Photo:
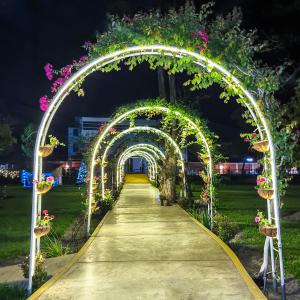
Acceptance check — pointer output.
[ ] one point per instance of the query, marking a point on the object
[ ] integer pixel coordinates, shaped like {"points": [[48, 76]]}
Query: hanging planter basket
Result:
{"points": [[270, 231], [205, 178], [46, 150], [261, 146], [266, 194], [40, 231], [43, 189]]}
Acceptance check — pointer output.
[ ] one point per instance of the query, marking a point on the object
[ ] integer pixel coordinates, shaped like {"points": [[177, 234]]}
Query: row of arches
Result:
{"points": [[151, 50]]}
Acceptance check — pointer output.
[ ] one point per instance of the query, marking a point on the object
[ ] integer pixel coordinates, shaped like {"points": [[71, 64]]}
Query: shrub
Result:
{"points": [[201, 216], [52, 246], [40, 274], [185, 202], [224, 228], [10, 292]]}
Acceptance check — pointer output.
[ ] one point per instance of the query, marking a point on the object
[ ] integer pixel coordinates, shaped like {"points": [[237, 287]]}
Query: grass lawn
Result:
{"points": [[240, 203], [15, 216]]}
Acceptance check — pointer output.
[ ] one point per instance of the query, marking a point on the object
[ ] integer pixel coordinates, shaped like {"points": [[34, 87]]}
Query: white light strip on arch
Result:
{"points": [[162, 109], [134, 150], [143, 146], [150, 160], [123, 54], [136, 129]]}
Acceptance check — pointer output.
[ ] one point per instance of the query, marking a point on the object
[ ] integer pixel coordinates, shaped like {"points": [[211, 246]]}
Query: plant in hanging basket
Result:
{"points": [[43, 224], [44, 186], [261, 146], [257, 144], [264, 187], [205, 198], [204, 176], [265, 227], [47, 149]]}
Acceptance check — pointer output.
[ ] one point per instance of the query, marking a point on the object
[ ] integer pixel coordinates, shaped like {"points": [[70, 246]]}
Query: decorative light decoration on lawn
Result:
{"points": [[153, 50], [9, 174], [82, 172]]}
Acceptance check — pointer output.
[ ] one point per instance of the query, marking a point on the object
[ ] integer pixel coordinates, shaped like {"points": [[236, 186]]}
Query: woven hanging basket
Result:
{"points": [[270, 231], [266, 194], [40, 231], [43, 189], [261, 146], [46, 150]]}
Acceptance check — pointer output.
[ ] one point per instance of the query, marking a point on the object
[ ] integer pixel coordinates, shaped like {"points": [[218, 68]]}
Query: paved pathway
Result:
{"points": [[145, 251]]}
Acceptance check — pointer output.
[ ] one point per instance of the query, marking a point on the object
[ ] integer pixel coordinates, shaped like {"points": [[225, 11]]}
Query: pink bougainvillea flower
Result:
{"points": [[50, 178], [112, 130], [52, 217], [49, 71], [66, 71], [83, 58], [44, 103], [45, 211], [257, 219], [34, 181], [203, 36]]}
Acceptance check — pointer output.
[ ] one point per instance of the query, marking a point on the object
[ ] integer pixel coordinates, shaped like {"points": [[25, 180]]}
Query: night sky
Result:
{"points": [[36, 32]]}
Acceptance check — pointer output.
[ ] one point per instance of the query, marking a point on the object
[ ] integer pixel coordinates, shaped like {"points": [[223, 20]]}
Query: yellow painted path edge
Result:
{"points": [[67, 267], [253, 288]]}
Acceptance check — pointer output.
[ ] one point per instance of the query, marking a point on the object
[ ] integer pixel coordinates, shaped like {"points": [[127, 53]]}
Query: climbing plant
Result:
{"points": [[221, 39]]}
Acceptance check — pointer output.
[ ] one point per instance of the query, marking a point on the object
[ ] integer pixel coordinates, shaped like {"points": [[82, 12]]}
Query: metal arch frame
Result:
{"points": [[118, 55], [165, 110], [136, 129], [120, 165], [150, 160], [149, 147]]}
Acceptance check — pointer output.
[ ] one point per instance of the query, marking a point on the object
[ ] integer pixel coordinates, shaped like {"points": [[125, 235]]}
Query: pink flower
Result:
{"points": [[45, 211], [44, 103], [50, 178], [34, 181], [83, 58], [203, 36], [49, 71], [257, 219], [194, 34], [66, 71], [52, 217]]}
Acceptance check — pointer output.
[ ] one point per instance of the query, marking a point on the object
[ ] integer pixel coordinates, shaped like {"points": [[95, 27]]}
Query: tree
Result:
{"points": [[82, 173], [28, 140], [7, 140]]}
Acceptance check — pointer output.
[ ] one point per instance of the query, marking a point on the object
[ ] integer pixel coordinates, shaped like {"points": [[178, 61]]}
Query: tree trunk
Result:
{"points": [[168, 172]]}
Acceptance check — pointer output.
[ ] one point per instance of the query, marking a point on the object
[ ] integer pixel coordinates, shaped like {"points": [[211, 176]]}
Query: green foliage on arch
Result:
{"points": [[221, 39]]}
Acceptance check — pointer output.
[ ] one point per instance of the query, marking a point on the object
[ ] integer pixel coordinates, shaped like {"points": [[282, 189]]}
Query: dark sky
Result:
{"points": [[36, 32]]}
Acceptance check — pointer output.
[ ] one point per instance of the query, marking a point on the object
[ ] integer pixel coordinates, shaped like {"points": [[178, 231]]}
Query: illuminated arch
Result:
{"points": [[199, 134], [137, 129], [140, 146], [152, 163], [159, 50]]}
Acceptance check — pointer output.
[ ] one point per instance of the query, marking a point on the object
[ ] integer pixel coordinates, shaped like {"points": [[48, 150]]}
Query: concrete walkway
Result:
{"points": [[145, 251]]}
